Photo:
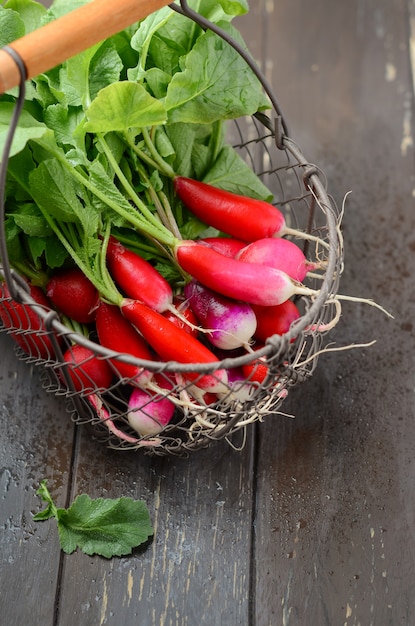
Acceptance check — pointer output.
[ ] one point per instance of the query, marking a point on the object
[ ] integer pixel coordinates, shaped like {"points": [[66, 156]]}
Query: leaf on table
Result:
{"points": [[103, 526]]}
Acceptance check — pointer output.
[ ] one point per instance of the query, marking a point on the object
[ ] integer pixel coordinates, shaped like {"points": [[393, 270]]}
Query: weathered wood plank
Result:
{"points": [[198, 565], [335, 526], [35, 443]]}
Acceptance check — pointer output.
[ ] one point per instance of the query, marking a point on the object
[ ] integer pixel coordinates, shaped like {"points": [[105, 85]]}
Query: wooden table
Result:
{"points": [[312, 523]]}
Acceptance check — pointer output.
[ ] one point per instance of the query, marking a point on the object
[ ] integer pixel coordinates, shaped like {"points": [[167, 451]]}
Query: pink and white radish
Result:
{"points": [[229, 324], [281, 254], [149, 412]]}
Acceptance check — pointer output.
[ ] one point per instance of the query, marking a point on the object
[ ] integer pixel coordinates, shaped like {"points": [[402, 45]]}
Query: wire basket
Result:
{"points": [[299, 189]]}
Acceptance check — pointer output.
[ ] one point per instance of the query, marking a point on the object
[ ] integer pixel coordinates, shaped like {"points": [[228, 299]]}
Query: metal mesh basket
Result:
{"points": [[299, 189]]}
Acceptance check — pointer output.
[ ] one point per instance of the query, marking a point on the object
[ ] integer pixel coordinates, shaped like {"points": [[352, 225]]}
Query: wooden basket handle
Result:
{"points": [[65, 37]]}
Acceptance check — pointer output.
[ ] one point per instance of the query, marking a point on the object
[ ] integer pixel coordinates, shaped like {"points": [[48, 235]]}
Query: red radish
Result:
{"points": [[182, 315], [230, 324], [26, 327], [137, 277], [275, 320], [73, 294], [256, 371], [248, 282], [245, 218], [149, 412], [282, 254], [86, 370], [172, 343], [116, 333], [225, 245]]}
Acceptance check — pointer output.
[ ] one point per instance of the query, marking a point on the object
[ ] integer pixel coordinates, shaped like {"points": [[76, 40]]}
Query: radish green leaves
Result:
{"points": [[104, 526]]}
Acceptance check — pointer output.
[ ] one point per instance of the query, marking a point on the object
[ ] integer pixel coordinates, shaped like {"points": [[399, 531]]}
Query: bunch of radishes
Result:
{"points": [[237, 292]]}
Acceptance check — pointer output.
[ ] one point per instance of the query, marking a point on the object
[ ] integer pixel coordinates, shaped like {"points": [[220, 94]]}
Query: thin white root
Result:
{"points": [[363, 301], [323, 328], [337, 349], [303, 235]]}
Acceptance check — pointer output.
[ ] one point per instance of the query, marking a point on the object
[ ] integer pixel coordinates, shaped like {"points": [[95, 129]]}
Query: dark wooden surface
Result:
{"points": [[312, 523]]}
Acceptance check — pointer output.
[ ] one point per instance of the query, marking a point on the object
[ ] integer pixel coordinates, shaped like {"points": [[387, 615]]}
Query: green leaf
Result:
{"points": [[104, 526], [141, 39], [11, 26], [31, 221], [64, 121], [122, 106], [230, 172], [83, 75], [105, 68], [28, 128], [62, 7], [217, 10], [74, 78], [51, 510], [216, 83], [53, 191], [104, 182], [31, 13]]}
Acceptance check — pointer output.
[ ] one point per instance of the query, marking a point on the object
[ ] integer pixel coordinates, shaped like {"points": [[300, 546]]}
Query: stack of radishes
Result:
{"points": [[237, 292]]}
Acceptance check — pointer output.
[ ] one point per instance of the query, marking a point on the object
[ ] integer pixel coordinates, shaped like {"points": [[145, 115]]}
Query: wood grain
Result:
{"points": [[335, 501], [35, 443]]}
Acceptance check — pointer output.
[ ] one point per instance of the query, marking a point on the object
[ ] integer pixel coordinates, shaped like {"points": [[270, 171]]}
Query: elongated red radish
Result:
{"points": [[137, 277], [275, 320], [172, 343], [248, 282], [149, 412], [229, 246], [24, 324], [241, 217], [182, 315], [116, 333], [282, 254], [230, 324], [73, 294], [86, 370]]}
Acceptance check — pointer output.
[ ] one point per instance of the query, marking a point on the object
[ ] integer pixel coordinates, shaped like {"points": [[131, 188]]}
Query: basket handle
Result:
{"points": [[66, 36]]}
